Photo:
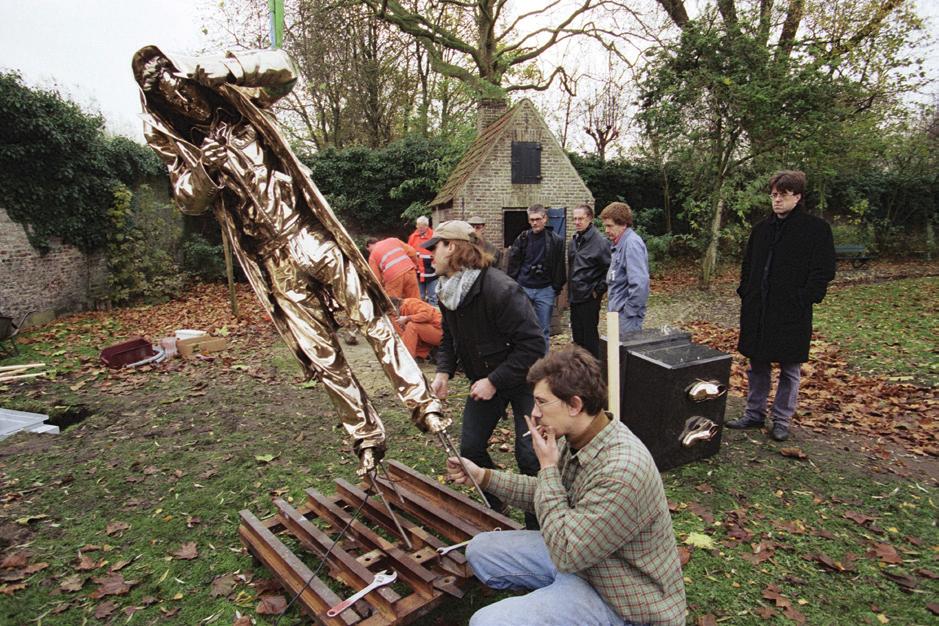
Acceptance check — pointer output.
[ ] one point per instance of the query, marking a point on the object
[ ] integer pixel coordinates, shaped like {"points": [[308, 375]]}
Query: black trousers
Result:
{"points": [[585, 322], [480, 418]]}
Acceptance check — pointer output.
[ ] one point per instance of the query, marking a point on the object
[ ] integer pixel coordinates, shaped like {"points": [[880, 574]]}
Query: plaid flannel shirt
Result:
{"points": [[604, 517]]}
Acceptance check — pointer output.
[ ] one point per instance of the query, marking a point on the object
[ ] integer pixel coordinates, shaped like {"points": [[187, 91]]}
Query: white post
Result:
{"points": [[612, 362]]}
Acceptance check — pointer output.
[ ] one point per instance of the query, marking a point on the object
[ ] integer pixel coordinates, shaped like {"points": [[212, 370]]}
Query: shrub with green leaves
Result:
{"points": [[141, 240], [203, 260], [58, 169]]}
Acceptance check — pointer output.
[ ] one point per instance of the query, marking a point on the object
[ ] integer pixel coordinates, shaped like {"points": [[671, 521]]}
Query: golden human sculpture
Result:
{"points": [[208, 119]]}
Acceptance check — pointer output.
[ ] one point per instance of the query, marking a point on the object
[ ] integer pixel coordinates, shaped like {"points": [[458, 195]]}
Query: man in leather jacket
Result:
{"points": [[536, 262], [588, 259], [489, 328]]}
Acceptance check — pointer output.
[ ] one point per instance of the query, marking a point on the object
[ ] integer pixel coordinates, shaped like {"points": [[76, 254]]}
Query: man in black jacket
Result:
{"points": [[490, 329], [588, 259], [789, 261], [536, 262]]}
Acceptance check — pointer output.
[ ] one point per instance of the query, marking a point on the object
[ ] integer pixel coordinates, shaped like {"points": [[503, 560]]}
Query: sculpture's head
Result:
{"points": [[168, 90]]}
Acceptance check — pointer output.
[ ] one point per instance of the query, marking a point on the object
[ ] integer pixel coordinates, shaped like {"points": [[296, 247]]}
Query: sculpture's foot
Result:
{"points": [[431, 418]]}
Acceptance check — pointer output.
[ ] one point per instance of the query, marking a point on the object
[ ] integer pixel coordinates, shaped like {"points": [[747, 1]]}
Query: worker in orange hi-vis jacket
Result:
{"points": [[419, 324], [395, 264]]}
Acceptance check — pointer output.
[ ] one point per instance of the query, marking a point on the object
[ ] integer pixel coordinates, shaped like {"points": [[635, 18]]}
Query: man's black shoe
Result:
{"points": [[745, 422], [780, 432]]}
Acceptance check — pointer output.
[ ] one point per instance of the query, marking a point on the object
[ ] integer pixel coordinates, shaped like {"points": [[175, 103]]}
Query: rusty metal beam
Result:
{"points": [[429, 512], [451, 501], [348, 569], [417, 576], [316, 598], [454, 563]]}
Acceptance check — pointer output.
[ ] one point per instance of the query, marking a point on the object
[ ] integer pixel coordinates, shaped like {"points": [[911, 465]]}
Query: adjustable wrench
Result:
{"points": [[443, 551], [381, 579]]}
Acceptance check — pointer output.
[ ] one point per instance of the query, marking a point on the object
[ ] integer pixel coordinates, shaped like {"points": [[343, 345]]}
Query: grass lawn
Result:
{"points": [[889, 328], [167, 457]]}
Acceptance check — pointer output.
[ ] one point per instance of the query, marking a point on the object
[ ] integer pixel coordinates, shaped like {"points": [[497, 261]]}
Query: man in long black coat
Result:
{"points": [[789, 261]]}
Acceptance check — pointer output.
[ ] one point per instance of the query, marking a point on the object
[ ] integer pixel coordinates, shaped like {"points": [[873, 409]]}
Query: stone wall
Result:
{"points": [[490, 192], [59, 281]]}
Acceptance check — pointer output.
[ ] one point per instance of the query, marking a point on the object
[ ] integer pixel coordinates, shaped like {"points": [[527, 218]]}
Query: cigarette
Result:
{"points": [[527, 434]]}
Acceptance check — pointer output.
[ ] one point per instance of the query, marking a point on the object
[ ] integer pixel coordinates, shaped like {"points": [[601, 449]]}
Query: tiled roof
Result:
{"points": [[475, 155]]}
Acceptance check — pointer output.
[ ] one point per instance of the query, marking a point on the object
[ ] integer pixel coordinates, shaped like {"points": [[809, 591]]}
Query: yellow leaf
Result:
{"points": [[883, 619], [700, 540]]}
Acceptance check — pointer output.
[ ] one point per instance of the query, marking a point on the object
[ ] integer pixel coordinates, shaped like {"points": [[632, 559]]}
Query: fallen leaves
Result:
{"points": [[846, 564], [113, 585], [15, 560], [72, 583], [272, 604], [187, 551], [222, 585], [700, 540], [793, 453], [886, 553], [116, 528], [105, 609], [836, 397]]}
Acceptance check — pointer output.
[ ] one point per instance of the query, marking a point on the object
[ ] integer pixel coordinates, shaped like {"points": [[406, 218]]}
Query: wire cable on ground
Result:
{"points": [[325, 558]]}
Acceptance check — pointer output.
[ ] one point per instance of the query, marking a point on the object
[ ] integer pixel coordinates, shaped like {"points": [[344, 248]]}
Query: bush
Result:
{"points": [[58, 170], [139, 248], [203, 260]]}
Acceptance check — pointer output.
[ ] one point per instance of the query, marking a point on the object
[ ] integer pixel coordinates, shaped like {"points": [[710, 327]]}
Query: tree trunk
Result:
{"points": [[230, 274], [709, 262]]}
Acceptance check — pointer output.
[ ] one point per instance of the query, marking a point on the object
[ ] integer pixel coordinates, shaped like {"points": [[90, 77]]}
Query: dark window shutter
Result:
{"points": [[526, 162]]}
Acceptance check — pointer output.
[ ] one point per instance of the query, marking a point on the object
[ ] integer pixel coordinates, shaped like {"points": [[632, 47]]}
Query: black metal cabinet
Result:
{"points": [[657, 369], [656, 406]]}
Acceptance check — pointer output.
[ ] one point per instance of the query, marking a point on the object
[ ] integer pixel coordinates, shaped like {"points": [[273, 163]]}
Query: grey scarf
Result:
{"points": [[452, 289]]}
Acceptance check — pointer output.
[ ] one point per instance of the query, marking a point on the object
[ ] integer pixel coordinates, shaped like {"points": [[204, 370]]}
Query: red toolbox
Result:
{"points": [[130, 351]]}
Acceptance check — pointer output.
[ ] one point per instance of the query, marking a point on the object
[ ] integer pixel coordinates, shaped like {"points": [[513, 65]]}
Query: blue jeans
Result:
{"points": [[519, 559], [542, 300], [429, 290], [787, 391], [480, 418]]}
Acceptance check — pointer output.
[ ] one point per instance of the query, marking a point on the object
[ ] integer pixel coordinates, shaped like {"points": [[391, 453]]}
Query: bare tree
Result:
{"points": [[503, 42]]}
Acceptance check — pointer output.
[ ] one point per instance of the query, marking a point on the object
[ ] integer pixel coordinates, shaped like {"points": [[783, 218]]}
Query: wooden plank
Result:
{"points": [[417, 576], [316, 598], [453, 502], [349, 570]]}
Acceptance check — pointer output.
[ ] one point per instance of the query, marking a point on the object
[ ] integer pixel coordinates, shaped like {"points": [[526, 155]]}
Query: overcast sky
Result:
{"points": [[84, 47]]}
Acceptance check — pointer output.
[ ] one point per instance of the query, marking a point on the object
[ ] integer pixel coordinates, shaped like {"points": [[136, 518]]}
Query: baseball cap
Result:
{"points": [[451, 230]]}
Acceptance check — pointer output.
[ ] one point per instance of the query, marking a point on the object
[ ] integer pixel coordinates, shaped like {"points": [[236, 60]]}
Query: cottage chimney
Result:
{"points": [[488, 110]]}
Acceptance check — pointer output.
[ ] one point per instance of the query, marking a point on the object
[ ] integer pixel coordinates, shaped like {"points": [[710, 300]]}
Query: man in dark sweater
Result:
{"points": [[789, 261], [489, 328], [536, 262]]}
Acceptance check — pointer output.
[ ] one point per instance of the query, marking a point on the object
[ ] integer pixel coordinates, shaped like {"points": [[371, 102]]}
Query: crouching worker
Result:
{"points": [[419, 324], [606, 550]]}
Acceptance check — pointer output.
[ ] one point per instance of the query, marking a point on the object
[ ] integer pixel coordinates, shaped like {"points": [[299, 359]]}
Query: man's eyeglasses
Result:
{"points": [[541, 404], [535, 219], [780, 194]]}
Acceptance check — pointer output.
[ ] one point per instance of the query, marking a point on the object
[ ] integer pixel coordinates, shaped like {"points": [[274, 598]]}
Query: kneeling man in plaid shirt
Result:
{"points": [[606, 550]]}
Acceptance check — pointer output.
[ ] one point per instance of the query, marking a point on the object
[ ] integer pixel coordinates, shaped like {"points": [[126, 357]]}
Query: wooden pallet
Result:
{"points": [[432, 515]]}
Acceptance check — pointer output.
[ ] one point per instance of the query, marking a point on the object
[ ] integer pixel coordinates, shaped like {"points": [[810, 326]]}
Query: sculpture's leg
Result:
{"points": [[326, 263], [307, 328], [311, 325]]}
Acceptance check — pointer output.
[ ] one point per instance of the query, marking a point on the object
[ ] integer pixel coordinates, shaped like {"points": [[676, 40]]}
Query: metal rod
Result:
{"points": [[371, 478], [448, 446], [391, 481]]}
